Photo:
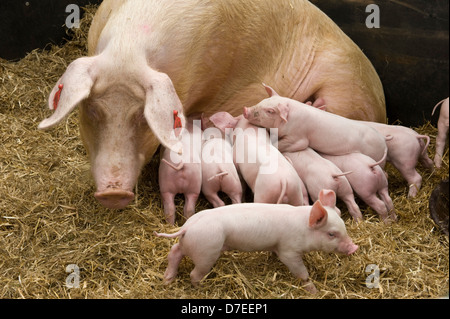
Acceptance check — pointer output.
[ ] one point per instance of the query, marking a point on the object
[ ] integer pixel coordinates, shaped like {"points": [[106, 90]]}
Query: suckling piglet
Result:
{"points": [[367, 180], [319, 173], [405, 148], [443, 124], [182, 173], [301, 126], [219, 172], [287, 230], [265, 170]]}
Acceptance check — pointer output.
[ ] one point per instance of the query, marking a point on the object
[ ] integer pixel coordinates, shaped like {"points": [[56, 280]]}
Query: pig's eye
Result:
{"points": [[332, 235], [93, 113], [271, 112]]}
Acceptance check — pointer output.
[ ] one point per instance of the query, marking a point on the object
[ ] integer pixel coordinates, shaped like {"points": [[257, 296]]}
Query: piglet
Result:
{"points": [[301, 126], [318, 173], [265, 170], [182, 173], [443, 124], [219, 172], [405, 148], [287, 230], [367, 180]]}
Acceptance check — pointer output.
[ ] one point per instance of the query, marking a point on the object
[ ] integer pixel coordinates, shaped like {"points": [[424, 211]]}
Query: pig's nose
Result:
{"points": [[352, 249], [114, 198]]}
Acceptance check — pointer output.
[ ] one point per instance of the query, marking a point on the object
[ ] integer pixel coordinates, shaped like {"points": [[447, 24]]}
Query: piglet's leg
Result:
{"points": [[413, 178], [384, 194], [440, 143], [295, 264], [169, 207], [290, 145], [174, 257], [214, 199], [378, 205], [203, 264], [189, 205], [236, 198]]}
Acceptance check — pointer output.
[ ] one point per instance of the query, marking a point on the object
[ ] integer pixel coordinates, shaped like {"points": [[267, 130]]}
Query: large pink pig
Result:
{"points": [[301, 126], [405, 148], [182, 173], [287, 230], [148, 58], [441, 138], [265, 170], [318, 173], [367, 180]]}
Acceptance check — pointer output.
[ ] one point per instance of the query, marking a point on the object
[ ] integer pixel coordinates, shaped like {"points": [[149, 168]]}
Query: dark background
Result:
{"points": [[410, 50], [26, 27]]}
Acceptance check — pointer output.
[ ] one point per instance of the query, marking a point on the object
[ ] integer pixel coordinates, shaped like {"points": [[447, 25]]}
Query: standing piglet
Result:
{"points": [[265, 170], [443, 124], [367, 180], [300, 126], [405, 148], [219, 172], [318, 173], [182, 173], [287, 230]]}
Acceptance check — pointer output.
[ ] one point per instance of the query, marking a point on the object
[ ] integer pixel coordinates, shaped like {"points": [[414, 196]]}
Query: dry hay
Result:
{"points": [[49, 219]]}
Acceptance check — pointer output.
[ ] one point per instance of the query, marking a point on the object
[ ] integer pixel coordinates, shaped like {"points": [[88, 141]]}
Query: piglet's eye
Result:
{"points": [[332, 234]]}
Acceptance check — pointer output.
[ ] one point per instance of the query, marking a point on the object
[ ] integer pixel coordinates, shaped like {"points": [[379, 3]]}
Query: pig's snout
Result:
{"points": [[352, 249], [114, 198], [347, 248]]}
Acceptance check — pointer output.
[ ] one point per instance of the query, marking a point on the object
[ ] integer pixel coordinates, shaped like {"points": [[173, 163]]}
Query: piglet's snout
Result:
{"points": [[350, 248], [347, 247], [114, 198]]}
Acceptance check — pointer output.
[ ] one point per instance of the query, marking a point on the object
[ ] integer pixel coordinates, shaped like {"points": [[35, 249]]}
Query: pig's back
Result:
{"points": [[210, 49], [217, 52]]}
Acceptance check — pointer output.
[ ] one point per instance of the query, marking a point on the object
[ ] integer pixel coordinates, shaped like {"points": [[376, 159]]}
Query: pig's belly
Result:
{"points": [[261, 238]]}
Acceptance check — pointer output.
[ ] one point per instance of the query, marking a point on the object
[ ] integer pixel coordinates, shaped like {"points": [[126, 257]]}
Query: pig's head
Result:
{"points": [[271, 112], [124, 115], [328, 232]]}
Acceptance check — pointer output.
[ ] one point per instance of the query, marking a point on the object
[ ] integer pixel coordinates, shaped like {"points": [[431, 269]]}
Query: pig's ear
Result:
{"points": [[327, 197], [283, 111], [73, 87], [270, 91], [318, 216], [163, 108], [223, 120]]}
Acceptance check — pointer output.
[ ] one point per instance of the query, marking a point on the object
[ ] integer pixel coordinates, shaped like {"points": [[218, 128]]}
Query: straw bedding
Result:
{"points": [[49, 219]]}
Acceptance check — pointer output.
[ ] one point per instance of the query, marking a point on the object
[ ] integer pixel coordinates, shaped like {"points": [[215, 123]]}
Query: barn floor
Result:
{"points": [[49, 220]]}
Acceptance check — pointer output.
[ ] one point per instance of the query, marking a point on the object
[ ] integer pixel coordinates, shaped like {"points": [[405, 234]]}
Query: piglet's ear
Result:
{"points": [[327, 197], [283, 111], [270, 91], [163, 109], [224, 120], [318, 216], [73, 87]]}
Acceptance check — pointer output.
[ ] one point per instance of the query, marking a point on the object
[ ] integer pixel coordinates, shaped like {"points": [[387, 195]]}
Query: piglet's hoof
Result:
{"points": [[309, 287]]}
